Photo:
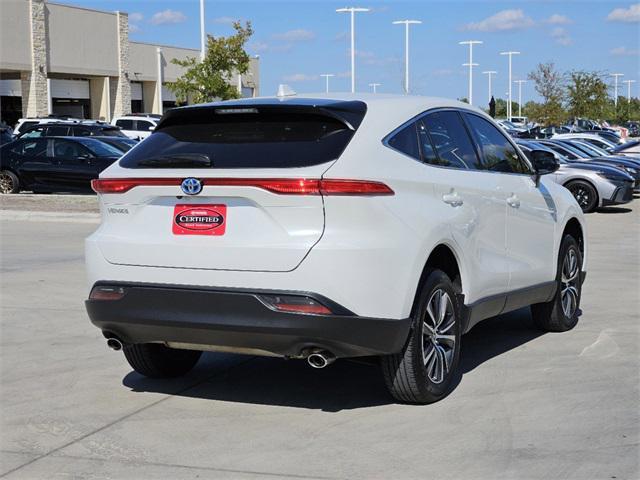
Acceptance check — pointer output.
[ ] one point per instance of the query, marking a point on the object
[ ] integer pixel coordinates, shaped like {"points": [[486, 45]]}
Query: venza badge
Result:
{"points": [[191, 186]]}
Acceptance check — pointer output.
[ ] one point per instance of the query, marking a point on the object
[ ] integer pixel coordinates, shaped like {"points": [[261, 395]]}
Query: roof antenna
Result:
{"points": [[285, 91]]}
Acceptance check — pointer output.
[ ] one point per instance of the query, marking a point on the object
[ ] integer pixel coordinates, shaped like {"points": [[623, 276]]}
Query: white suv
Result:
{"points": [[138, 126], [323, 228]]}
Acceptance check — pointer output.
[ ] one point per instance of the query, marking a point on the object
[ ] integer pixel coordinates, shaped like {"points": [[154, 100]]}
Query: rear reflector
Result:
{"points": [[106, 293], [281, 186], [294, 304]]}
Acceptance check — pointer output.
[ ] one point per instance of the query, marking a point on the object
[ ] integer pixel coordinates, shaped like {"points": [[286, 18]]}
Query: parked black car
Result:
{"points": [[53, 164], [124, 144], [72, 130]]}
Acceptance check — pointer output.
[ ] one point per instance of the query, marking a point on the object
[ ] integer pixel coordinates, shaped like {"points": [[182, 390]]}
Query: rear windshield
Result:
{"points": [[252, 138]]}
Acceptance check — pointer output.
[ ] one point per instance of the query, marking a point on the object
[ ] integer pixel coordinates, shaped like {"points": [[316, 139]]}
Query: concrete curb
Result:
{"points": [[35, 216]]}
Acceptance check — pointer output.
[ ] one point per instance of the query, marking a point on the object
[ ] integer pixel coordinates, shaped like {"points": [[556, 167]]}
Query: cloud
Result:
{"points": [[561, 36], [263, 47], [627, 15], [297, 35], [133, 28], [300, 77], [167, 17], [135, 17], [624, 51], [224, 20], [501, 22], [557, 19]]}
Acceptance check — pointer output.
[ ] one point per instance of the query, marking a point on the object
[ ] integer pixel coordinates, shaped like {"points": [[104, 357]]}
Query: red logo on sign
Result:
{"points": [[199, 219]]}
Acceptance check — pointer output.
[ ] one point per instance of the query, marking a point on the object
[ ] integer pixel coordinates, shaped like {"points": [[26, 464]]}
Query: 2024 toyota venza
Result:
{"points": [[329, 227]]}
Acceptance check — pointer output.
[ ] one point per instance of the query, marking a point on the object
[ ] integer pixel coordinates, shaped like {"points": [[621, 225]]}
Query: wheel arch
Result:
{"points": [[588, 182], [574, 228]]}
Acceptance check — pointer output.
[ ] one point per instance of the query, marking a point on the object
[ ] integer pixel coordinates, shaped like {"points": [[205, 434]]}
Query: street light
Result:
{"points": [[615, 88], [374, 86], [520, 82], [511, 54], [352, 10], [471, 43], [406, 49], [202, 33], [628, 82], [490, 74], [327, 75]]}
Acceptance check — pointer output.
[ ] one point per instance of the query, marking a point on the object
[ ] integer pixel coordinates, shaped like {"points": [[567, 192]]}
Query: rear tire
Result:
{"points": [[561, 313], [154, 360], [424, 371], [585, 194], [9, 182]]}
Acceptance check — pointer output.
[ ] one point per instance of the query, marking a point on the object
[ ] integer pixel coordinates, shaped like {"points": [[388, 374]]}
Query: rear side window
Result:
{"points": [[498, 154], [57, 131], [81, 132], [406, 141], [260, 137], [143, 125], [125, 124], [451, 141]]}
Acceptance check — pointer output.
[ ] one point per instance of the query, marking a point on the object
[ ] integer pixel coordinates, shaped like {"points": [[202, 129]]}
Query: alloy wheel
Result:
{"points": [[438, 336], [582, 196], [569, 283], [6, 183]]}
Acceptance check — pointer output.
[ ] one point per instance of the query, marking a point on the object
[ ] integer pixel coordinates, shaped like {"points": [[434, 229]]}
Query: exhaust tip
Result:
{"points": [[114, 344], [320, 359]]}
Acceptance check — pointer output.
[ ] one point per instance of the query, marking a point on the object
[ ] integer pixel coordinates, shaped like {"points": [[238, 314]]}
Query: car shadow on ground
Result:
{"points": [[613, 210], [344, 385]]}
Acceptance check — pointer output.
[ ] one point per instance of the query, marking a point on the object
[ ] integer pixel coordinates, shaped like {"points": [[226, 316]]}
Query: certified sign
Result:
{"points": [[199, 219]]}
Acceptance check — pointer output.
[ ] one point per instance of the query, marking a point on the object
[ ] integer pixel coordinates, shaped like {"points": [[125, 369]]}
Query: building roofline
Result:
{"points": [[165, 46], [77, 7]]}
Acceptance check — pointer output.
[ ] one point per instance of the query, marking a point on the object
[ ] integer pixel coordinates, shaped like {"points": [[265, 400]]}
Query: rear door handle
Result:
{"points": [[513, 201], [452, 199]]}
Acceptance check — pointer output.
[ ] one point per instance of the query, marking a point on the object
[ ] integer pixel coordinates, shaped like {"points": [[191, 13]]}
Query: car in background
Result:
{"points": [[68, 129], [6, 135], [53, 164], [633, 127], [592, 185], [590, 138], [630, 148], [24, 124], [124, 144], [137, 126]]}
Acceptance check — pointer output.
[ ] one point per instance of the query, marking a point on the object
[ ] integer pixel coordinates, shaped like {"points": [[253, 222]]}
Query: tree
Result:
{"points": [[549, 83], [587, 95], [212, 78]]}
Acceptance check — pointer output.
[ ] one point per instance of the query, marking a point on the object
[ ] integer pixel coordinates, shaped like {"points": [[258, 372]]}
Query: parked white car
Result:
{"points": [[24, 124], [138, 126], [329, 227]]}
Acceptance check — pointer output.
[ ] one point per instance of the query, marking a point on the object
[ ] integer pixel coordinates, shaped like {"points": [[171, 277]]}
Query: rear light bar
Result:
{"points": [[281, 186], [106, 293], [294, 304]]}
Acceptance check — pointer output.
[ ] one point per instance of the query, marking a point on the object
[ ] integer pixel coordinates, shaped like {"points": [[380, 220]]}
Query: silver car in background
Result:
{"points": [[592, 185]]}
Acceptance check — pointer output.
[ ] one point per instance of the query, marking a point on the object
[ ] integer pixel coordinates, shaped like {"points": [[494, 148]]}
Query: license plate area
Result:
{"points": [[199, 219]]}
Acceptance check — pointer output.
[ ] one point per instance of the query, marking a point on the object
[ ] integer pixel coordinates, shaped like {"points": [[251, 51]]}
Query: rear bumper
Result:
{"points": [[622, 194], [234, 319]]}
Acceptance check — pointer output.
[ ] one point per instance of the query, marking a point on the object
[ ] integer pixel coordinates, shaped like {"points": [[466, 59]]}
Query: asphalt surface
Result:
{"points": [[529, 405]]}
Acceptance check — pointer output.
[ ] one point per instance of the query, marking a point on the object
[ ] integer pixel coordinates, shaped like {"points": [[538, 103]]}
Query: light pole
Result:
{"points": [[406, 49], [520, 82], [490, 74], [326, 76], [471, 43], [202, 33], [353, 10], [374, 86], [628, 82], [615, 88], [511, 54]]}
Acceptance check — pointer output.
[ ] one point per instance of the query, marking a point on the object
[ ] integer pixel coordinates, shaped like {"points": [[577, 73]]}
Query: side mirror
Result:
{"points": [[544, 162]]}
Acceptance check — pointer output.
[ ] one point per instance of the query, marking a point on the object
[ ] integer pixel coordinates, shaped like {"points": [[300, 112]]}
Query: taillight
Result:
{"points": [[294, 304], [280, 186], [106, 293]]}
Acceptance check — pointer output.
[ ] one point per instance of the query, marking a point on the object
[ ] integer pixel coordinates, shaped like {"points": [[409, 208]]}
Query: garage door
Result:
{"points": [[10, 88], [70, 89], [136, 91], [167, 95]]}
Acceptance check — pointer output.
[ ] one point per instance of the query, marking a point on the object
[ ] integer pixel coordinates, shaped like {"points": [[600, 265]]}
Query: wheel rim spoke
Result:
{"points": [[569, 294], [439, 339]]}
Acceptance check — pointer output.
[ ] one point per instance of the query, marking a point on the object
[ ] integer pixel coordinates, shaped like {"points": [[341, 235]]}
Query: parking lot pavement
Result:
{"points": [[529, 406]]}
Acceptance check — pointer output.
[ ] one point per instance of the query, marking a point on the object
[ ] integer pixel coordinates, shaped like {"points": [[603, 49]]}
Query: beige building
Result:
{"points": [[67, 60]]}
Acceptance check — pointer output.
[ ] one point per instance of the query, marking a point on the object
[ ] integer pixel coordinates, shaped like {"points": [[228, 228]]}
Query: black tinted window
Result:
{"points": [[451, 141], [269, 137], [143, 125], [406, 141], [36, 132], [429, 154], [125, 124], [498, 154], [81, 132], [36, 147], [57, 131], [67, 148]]}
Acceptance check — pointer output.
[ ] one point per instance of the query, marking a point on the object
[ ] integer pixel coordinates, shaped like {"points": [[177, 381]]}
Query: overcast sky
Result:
{"points": [[297, 41]]}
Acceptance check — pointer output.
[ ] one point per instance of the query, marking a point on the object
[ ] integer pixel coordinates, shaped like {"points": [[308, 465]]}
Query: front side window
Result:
{"points": [[406, 141], [125, 124], [143, 125], [450, 139], [36, 147], [498, 154], [35, 133]]}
